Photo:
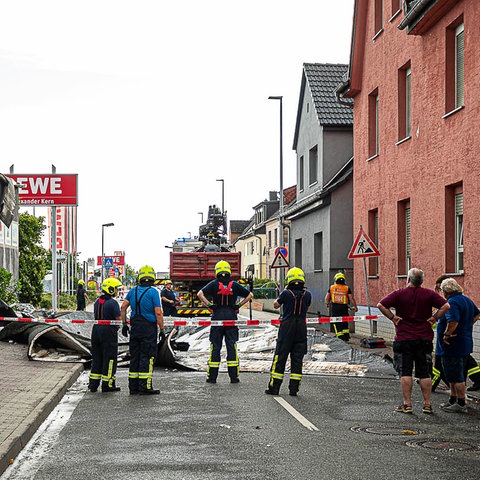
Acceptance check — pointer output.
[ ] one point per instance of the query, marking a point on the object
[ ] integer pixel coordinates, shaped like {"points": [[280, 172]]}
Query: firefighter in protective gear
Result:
{"points": [[292, 333], [337, 299], [221, 296], [105, 339], [146, 315]]}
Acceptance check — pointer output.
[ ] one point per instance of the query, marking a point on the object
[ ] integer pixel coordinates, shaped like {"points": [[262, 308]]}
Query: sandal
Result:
{"points": [[404, 409], [427, 408]]}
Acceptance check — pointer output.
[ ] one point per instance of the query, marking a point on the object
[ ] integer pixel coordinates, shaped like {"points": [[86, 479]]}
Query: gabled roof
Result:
{"points": [[321, 81], [238, 226]]}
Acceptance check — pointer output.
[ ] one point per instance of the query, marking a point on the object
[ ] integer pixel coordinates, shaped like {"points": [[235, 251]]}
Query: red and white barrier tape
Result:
{"points": [[198, 322]]}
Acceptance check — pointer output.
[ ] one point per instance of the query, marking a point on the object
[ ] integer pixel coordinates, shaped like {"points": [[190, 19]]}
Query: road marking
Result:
{"points": [[306, 423]]}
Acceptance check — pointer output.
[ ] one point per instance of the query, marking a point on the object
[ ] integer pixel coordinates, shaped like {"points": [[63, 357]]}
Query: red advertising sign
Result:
{"points": [[47, 190], [115, 260]]}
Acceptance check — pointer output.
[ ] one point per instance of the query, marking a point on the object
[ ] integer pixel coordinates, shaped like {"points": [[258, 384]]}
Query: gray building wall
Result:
{"points": [[337, 150], [305, 228]]}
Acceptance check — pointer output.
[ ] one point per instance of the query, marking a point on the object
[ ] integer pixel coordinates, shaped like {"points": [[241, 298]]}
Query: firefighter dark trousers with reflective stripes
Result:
{"points": [[104, 356], [143, 348], [216, 338], [472, 370], [292, 340]]}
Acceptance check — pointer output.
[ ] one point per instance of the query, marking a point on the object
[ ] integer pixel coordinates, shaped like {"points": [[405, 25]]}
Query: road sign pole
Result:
{"points": [[367, 292]]}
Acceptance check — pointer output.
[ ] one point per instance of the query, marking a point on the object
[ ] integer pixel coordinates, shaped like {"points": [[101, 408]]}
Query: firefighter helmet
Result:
{"points": [[222, 267], [81, 282], [146, 273], [339, 276], [295, 275], [168, 282], [109, 285]]}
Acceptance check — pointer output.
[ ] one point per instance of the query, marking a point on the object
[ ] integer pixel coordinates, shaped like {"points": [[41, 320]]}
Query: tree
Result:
{"points": [[32, 258], [7, 287]]}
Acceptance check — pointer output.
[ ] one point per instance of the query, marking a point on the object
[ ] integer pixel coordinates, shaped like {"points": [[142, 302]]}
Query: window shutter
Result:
{"points": [[459, 204], [459, 67]]}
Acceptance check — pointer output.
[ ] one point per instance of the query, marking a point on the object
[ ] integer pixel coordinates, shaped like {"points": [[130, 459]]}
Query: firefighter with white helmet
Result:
{"points": [[146, 315], [338, 297], [221, 296], [292, 333], [105, 339]]}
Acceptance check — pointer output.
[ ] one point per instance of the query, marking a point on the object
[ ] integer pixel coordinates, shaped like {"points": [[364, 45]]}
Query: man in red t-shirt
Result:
{"points": [[413, 343]]}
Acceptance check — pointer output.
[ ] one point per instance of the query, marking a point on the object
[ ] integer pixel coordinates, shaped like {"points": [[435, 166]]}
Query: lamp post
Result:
{"points": [[281, 160], [223, 191], [223, 204], [103, 251], [201, 213]]}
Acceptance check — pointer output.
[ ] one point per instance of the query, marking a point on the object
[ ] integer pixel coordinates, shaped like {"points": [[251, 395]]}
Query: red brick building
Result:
{"points": [[414, 75]]}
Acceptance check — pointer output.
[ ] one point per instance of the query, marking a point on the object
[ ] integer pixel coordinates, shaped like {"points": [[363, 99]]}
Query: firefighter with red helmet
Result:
{"points": [[146, 315], [105, 339], [221, 296], [292, 333], [338, 297]]}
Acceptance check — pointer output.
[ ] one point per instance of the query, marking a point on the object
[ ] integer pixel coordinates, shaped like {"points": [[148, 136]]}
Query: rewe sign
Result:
{"points": [[47, 190]]}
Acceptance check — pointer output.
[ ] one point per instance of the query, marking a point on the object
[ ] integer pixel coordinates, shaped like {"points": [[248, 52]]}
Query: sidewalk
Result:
{"points": [[29, 391]]}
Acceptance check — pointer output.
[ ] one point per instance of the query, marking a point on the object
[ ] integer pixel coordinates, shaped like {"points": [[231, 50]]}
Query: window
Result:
{"points": [[378, 15], [454, 67], [373, 140], [404, 102], [269, 239], [373, 234], [298, 252], [459, 232], [313, 161], [260, 215], [454, 228], [275, 238], [396, 6], [318, 251], [404, 237], [301, 169]]}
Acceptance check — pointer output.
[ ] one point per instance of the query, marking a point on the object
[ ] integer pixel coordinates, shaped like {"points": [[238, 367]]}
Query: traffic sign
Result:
{"points": [[283, 251], [108, 262], [280, 261], [363, 247]]}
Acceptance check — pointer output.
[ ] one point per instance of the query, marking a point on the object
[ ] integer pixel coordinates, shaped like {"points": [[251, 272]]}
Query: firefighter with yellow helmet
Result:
{"points": [[338, 297], [146, 315], [221, 295], [292, 333], [105, 339]]}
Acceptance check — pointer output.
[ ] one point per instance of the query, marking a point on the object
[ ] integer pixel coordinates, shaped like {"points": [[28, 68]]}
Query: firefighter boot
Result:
{"points": [[273, 387], [109, 387], [293, 387], [212, 374], [93, 385]]}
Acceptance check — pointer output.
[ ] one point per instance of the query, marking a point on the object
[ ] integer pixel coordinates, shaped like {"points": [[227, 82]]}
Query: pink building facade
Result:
{"points": [[415, 79]]}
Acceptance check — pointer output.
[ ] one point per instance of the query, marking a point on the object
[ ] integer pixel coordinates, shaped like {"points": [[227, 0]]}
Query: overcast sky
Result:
{"points": [[150, 102]]}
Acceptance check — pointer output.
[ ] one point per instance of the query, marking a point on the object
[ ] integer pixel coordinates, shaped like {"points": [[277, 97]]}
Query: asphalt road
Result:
{"points": [[339, 427]]}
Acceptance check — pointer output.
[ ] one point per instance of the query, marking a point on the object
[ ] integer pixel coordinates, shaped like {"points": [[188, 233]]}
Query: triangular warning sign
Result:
{"points": [[280, 261], [363, 247]]}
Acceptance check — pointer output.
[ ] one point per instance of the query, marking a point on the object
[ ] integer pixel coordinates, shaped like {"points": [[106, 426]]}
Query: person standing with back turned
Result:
{"points": [[223, 293], [292, 334], [105, 339], [413, 343], [146, 314], [339, 296]]}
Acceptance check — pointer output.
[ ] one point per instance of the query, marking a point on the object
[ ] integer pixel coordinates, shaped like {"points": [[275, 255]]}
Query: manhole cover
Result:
{"points": [[445, 445], [387, 430]]}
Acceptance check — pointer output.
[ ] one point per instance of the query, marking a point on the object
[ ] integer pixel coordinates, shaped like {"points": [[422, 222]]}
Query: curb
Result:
{"points": [[25, 431]]}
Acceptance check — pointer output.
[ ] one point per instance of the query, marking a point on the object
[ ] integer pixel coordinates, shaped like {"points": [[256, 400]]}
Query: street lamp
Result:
{"points": [[223, 204], [223, 191], [201, 213], [281, 160], [103, 251]]}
